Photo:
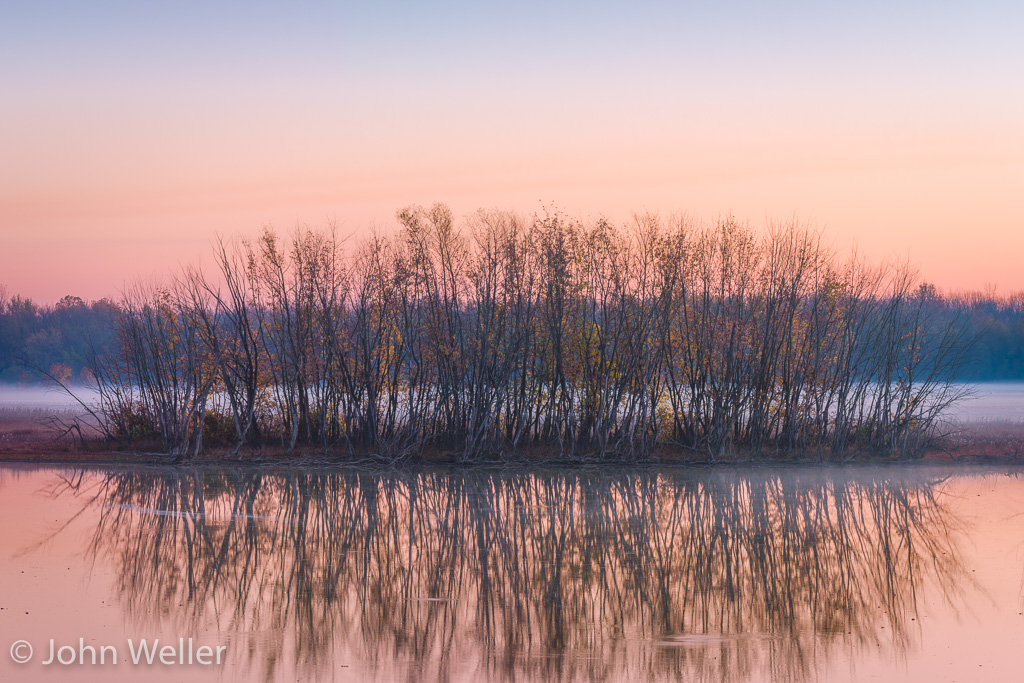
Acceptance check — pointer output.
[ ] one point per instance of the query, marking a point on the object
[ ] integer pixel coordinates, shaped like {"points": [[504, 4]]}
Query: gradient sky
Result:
{"points": [[132, 133]]}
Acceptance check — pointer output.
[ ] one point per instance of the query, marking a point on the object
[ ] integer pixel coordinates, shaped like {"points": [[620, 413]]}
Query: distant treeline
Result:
{"points": [[997, 324], [503, 336], [58, 339]]}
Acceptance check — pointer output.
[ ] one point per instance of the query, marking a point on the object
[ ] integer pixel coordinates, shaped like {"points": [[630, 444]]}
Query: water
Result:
{"points": [[765, 573]]}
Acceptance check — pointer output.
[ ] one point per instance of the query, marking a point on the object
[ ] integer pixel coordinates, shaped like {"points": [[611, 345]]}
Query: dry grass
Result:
{"points": [[36, 430], [985, 439]]}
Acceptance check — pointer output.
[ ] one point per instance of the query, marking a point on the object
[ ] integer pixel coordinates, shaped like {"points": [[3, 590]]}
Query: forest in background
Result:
{"points": [[60, 337], [501, 333]]}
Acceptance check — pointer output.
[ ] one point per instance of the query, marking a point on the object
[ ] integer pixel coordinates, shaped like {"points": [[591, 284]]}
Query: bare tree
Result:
{"points": [[503, 336]]}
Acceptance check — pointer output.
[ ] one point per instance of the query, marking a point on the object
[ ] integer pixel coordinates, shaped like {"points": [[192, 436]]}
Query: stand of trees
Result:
{"points": [[503, 336], [58, 339]]}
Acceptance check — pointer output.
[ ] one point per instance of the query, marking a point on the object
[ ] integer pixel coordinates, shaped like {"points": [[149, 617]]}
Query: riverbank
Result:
{"points": [[37, 435]]}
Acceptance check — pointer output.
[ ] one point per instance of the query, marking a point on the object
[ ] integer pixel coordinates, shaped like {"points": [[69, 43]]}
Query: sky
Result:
{"points": [[132, 134]]}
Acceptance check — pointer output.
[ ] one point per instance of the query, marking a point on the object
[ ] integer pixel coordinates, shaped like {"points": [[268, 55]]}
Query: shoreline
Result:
{"points": [[28, 439], [319, 460]]}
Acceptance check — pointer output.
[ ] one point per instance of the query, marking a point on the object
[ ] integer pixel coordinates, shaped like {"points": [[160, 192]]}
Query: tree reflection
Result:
{"points": [[531, 574]]}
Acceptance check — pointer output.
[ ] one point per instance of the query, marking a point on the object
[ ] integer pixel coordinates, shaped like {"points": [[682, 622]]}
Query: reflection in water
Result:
{"points": [[529, 574]]}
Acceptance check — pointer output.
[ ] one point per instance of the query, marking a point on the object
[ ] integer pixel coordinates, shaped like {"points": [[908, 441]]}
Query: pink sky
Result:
{"points": [[128, 146]]}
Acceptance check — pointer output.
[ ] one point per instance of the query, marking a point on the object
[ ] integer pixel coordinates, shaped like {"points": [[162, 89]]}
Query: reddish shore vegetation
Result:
{"points": [[31, 435]]}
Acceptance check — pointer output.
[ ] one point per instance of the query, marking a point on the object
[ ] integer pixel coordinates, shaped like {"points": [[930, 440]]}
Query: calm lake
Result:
{"points": [[754, 574]]}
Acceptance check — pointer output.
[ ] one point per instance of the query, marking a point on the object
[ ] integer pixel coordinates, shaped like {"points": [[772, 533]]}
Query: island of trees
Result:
{"points": [[504, 337]]}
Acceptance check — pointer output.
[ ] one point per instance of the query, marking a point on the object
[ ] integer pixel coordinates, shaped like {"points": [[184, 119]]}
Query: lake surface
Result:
{"points": [[764, 573]]}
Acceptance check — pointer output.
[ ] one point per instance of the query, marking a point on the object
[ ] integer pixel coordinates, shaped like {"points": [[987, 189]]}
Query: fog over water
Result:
{"points": [[991, 401], [14, 396]]}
